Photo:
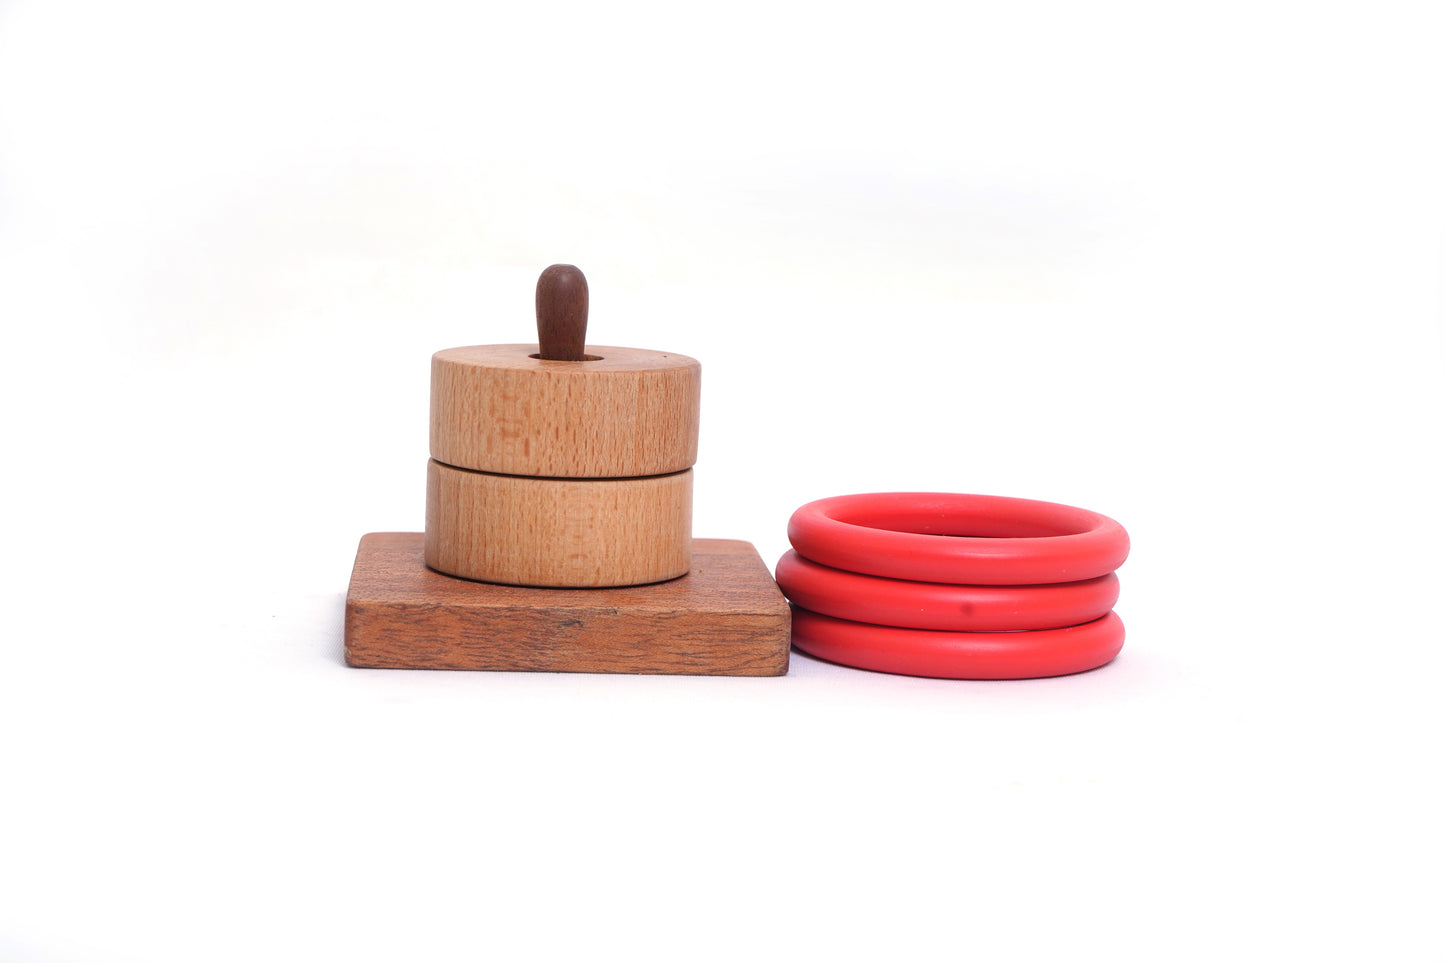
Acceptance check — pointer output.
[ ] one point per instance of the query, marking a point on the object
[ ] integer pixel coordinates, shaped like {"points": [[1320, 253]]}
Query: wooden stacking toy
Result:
{"points": [[555, 467], [559, 521]]}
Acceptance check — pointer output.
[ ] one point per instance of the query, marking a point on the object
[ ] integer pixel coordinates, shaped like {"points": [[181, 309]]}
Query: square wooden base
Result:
{"points": [[725, 617]]}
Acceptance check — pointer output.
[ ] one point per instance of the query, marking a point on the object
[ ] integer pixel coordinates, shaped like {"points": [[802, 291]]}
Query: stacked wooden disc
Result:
{"points": [[561, 465]]}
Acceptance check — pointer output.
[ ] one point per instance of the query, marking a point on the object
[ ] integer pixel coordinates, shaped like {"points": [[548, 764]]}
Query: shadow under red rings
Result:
{"points": [[954, 586]]}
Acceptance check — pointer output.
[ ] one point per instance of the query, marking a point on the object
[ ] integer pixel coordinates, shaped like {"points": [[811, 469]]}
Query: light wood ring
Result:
{"points": [[558, 532], [627, 413]]}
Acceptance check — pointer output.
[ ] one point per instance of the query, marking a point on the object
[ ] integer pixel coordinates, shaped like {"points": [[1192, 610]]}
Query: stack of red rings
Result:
{"points": [[954, 586]]}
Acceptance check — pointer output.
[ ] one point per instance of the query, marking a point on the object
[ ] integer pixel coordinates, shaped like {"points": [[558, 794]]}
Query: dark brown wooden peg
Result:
{"points": [[561, 314]]}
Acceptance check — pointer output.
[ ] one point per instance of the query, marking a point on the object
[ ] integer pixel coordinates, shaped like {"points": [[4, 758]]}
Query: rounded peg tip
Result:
{"points": [[561, 313]]}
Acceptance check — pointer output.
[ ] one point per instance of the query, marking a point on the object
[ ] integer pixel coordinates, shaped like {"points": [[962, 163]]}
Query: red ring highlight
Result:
{"points": [[959, 655], [995, 540], [934, 605]]}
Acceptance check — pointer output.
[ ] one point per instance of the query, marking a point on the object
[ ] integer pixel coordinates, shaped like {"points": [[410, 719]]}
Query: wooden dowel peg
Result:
{"points": [[562, 314]]}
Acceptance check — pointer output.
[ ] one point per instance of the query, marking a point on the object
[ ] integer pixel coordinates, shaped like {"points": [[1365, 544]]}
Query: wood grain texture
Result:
{"points": [[630, 413], [562, 314], [558, 532], [725, 617]]}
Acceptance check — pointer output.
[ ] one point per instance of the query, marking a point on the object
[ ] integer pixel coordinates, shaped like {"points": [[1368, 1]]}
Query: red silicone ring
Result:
{"points": [[959, 655], [999, 541], [933, 605]]}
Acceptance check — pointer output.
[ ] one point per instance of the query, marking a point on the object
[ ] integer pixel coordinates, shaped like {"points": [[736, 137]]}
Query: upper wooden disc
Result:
{"points": [[625, 413]]}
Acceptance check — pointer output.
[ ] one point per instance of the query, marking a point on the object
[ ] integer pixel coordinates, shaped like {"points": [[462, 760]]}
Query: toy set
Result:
{"points": [[559, 538]]}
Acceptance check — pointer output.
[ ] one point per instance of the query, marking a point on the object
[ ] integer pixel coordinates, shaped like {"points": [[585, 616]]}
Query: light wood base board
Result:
{"points": [[725, 617]]}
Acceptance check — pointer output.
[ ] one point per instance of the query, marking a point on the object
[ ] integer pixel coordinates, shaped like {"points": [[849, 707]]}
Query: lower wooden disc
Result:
{"points": [[558, 532]]}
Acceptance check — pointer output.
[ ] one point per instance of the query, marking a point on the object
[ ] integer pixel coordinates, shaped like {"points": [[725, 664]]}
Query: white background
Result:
{"points": [[1180, 264]]}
